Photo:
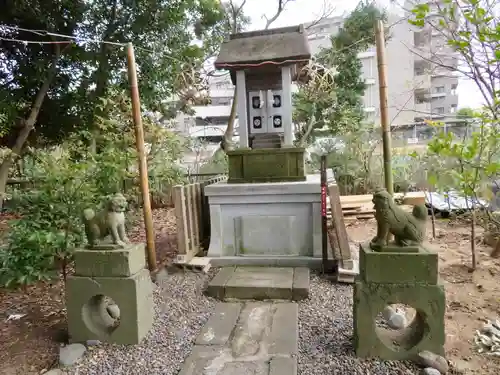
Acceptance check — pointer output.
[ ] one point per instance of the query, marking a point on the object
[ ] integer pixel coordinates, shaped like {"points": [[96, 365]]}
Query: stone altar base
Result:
{"points": [[110, 297], [265, 224], [398, 278]]}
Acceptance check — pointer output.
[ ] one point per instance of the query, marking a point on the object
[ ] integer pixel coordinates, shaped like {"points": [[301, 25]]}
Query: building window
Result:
{"points": [[419, 100], [454, 89], [440, 110], [440, 89], [221, 101], [453, 108]]}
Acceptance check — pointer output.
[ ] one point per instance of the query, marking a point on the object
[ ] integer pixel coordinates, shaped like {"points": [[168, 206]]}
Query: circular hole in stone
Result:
{"points": [[400, 327], [101, 315]]}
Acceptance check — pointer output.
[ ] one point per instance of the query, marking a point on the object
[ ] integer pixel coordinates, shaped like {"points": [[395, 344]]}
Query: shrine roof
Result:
{"points": [[286, 45]]}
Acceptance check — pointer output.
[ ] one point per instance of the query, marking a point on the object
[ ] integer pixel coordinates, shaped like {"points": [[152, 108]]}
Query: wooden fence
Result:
{"points": [[193, 218]]}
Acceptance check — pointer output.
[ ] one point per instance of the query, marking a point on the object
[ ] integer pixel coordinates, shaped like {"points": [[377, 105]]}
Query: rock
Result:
{"points": [[388, 312], [113, 311], [93, 342], [430, 371], [70, 354], [428, 359], [397, 321]]}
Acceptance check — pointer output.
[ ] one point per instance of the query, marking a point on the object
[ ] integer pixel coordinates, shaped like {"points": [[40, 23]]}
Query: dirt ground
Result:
{"points": [[29, 344], [471, 298], [33, 322]]}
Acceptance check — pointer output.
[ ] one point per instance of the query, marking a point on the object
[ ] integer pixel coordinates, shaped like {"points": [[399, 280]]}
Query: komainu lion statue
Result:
{"points": [[109, 221], [408, 228]]}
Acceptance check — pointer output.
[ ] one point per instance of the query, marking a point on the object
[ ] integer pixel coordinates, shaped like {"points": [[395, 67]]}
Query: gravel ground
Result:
{"points": [[181, 310], [325, 330]]}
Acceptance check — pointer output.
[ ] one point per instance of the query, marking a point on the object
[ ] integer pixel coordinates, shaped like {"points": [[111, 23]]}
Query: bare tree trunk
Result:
{"points": [[228, 134], [496, 251], [433, 216], [309, 129], [473, 239], [27, 125]]}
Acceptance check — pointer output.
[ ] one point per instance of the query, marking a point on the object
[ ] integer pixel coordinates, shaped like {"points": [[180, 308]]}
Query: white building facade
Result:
{"points": [[418, 89]]}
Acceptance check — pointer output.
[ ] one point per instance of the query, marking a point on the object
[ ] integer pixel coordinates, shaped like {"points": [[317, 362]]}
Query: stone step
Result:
{"points": [[259, 338], [260, 283]]}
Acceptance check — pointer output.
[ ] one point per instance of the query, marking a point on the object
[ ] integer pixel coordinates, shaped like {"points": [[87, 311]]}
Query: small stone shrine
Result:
{"points": [[402, 272], [263, 65], [269, 211], [110, 296]]}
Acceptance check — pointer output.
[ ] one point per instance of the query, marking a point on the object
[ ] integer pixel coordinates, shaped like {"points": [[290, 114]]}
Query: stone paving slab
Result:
{"points": [[262, 340], [260, 283]]}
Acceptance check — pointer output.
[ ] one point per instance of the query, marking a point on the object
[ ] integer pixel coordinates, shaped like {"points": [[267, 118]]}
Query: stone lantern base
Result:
{"points": [[110, 297], [402, 278]]}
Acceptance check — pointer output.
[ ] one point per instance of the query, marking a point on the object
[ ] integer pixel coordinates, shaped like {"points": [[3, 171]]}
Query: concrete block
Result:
{"points": [[300, 288], [394, 267], [425, 332], [348, 275], [283, 366], [268, 235], [260, 283], [288, 208], [110, 263], [247, 367], [217, 330], [217, 286], [266, 165], [201, 357], [284, 335], [88, 318]]}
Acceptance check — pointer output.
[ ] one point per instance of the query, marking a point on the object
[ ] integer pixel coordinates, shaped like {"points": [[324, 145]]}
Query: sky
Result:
{"points": [[303, 11]]}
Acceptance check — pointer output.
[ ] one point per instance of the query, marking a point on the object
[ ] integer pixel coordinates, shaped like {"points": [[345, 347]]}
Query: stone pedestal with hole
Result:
{"points": [[110, 296], [392, 277]]}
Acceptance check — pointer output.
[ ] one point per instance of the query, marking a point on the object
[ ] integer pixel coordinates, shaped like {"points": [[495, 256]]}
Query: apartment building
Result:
{"points": [[210, 121], [418, 89]]}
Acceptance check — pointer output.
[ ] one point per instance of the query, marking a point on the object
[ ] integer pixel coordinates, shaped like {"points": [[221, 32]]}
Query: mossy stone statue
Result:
{"points": [[105, 229], [408, 228]]}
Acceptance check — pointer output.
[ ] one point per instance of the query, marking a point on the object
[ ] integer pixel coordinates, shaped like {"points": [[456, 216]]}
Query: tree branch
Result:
{"points": [[281, 8], [327, 11]]}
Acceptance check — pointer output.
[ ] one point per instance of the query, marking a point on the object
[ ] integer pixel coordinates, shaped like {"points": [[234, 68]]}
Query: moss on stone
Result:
{"points": [[426, 332], [398, 267], [266, 165]]}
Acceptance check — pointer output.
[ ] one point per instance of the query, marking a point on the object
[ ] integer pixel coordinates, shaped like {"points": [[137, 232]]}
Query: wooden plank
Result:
{"points": [[181, 220], [338, 223], [410, 198], [199, 211], [189, 217], [344, 199], [205, 212], [414, 198], [195, 215]]}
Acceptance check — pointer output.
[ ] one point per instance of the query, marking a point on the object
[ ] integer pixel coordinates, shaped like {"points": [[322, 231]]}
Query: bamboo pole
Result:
{"points": [[324, 219], [143, 166], [384, 114]]}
